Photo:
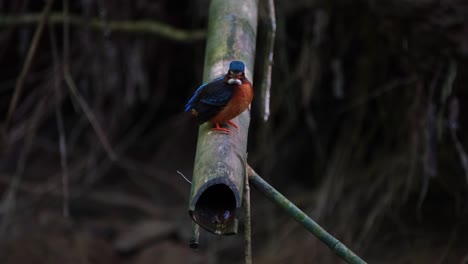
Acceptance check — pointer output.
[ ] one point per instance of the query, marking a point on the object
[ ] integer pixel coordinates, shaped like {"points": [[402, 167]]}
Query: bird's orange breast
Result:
{"points": [[240, 101]]}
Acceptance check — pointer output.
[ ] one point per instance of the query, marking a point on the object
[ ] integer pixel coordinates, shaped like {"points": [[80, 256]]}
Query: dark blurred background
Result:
{"points": [[367, 133]]}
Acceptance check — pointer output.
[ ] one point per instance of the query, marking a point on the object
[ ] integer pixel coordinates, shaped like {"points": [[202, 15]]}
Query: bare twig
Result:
{"points": [[183, 176], [140, 234], [41, 19], [90, 116], [390, 86], [63, 162], [450, 244], [74, 91], [121, 146], [268, 63], [66, 37], [9, 199], [107, 198], [145, 170], [194, 240], [454, 112], [142, 26], [60, 126], [248, 227]]}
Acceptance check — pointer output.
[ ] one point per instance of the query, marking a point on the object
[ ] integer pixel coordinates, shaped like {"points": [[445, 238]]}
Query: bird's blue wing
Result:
{"points": [[217, 96], [209, 99], [196, 95]]}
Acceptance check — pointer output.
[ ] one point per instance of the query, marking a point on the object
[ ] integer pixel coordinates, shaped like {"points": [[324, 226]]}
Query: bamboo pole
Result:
{"points": [[297, 214], [220, 160]]}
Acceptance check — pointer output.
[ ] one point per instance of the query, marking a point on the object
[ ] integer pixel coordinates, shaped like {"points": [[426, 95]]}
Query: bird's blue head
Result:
{"points": [[236, 72], [237, 66]]}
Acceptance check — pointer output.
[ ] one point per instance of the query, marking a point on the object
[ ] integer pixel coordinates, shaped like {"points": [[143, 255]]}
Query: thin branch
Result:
{"points": [[74, 91], [9, 199], [63, 161], [268, 63], [91, 117], [40, 19], [183, 176], [450, 243], [60, 126], [141, 26], [107, 198], [297, 214], [248, 226], [454, 114], [378, 92], [194, 240], [66, 37]]}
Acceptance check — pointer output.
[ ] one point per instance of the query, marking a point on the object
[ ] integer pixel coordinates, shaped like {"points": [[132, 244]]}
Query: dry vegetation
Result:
{"points": [[367, 134]]}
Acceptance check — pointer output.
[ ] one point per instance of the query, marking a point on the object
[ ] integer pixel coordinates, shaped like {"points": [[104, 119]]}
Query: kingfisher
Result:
{"points": [[222, 99]]}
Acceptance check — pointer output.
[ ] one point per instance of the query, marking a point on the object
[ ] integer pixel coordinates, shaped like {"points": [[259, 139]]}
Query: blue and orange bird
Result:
{"points": [[222, 99]]}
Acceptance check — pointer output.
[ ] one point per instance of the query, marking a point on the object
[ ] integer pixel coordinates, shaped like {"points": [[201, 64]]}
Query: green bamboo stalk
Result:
{"points": [[220, 160], [297, 214], [140, 26]]}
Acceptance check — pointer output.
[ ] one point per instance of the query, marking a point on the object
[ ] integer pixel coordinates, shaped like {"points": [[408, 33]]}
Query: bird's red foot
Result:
{"points": [[222, 129], [232, 124]]}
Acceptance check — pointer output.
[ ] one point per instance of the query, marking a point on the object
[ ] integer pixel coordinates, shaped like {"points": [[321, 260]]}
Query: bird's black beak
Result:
{"points": [[235, 78]]}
